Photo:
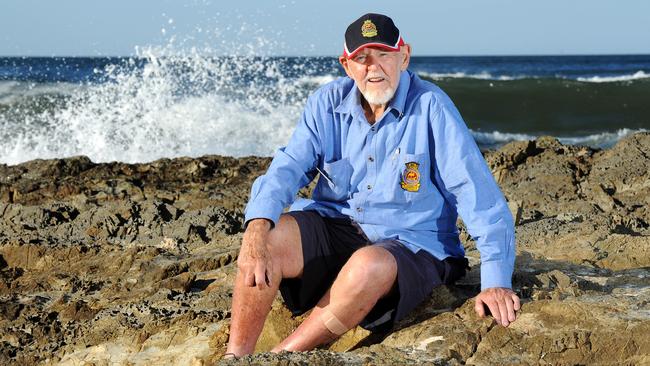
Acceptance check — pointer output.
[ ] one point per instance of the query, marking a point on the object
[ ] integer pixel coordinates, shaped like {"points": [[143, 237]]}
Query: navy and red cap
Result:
{"points": [[371, 30]]}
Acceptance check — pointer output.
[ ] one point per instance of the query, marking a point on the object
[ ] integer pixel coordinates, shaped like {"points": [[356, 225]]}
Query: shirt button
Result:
{"points": [[359, 209], [372, 129], [371, 159], [369, 186]]}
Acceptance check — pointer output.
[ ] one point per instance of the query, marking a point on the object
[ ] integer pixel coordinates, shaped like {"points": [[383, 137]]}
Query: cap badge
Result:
{"points": [[368, 29], [411, 177]]}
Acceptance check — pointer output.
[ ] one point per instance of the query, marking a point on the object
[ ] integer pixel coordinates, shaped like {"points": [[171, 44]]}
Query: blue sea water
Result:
{"points": [[143, 108]]}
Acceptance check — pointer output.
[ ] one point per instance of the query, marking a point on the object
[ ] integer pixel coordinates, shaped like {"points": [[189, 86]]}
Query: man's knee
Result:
{"points": [[285, 246], [371, 268], [285, 234]]}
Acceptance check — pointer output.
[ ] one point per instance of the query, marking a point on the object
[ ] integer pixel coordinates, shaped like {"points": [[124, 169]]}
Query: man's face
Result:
{"points": [[376, 72]]}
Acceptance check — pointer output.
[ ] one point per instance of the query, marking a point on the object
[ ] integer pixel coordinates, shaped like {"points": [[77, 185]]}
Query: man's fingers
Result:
{"points": [[503, 304], [511, 309], [503, 311], [260, 276], [268, 274], [494, 309], [515, 299], [478, 307], [249, 278]]}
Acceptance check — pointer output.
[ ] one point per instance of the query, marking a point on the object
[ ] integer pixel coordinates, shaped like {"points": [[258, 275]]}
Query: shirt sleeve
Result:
{"points": [[291, 169], [467, 184]]}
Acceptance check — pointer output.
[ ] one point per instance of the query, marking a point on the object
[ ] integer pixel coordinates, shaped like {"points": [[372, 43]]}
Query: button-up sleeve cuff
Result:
{"points": [[263, 209], [496, 273]]}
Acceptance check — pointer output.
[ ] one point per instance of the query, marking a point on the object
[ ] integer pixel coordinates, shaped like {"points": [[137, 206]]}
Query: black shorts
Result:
{"points": [[327, 244]]}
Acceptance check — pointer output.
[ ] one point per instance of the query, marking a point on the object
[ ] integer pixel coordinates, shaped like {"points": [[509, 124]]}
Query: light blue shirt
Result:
{"points": [[407, 177]]}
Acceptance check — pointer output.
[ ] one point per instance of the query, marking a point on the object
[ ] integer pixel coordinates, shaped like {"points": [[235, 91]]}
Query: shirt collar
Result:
{"points": [[352, 101], [399, 100]]}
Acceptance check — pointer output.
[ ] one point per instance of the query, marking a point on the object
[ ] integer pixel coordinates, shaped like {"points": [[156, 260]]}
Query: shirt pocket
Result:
{"points": [[408, 178], [334, 185]]}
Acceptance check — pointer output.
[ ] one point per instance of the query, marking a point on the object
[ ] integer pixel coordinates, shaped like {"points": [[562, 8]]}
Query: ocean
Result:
{"points": [[139, 109]]}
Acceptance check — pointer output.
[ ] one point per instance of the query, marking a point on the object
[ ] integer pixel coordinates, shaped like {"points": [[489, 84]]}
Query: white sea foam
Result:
{"points": [[316, 80], [603, 140], [600, 140], [639, 75], [184, 101], [15, 91], [6, 87], [7, 91], [609, 79], [462, 75], [498, 137], [187, 105]]}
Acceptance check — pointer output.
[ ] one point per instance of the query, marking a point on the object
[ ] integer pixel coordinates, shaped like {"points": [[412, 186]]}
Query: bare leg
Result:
{"points": [[251, 305], [368, 276]]}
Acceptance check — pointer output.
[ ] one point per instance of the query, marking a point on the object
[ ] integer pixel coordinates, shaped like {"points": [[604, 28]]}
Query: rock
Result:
{"points": [[570, 217], [10, 310], [135, 263], [180, 283], [174, 346], [448, 336], [554, 278], [350, 340], [277, 327], [567, 332], [77, 311]]}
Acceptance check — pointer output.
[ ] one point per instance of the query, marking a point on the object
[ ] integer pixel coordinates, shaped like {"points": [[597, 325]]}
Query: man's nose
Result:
{"points": [[372, 63]]}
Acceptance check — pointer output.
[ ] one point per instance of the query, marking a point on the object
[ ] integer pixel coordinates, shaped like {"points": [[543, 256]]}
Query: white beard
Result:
{"points": [[381, 97]]}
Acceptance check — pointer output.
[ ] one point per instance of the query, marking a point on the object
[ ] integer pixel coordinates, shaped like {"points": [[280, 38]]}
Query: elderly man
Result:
{"points": [[397, 165]]}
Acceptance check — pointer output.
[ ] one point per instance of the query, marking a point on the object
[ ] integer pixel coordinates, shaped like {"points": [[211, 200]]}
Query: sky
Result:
{"points": [[315, 28]]}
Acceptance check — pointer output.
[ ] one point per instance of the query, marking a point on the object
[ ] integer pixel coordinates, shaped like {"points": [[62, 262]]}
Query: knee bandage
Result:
{"points": [[332, 323]]}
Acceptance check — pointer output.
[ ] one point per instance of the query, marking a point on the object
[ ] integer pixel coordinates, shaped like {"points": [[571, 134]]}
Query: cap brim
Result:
{"points": [[347, 53]]}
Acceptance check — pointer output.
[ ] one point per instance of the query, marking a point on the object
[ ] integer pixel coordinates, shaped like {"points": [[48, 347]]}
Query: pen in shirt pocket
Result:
{"points": [[326, 177], [396, 154]]}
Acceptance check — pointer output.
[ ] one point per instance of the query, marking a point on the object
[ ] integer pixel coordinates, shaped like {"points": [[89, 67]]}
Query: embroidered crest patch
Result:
{"points": [[411, 177], [368, 29]]}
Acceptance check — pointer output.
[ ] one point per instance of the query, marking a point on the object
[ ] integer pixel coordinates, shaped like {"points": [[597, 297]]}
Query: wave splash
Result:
{"points": [[611, 79], [601, 140], [175, 105], [639, 75]]}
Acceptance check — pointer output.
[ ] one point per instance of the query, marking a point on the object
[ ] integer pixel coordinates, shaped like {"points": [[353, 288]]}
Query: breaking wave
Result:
{"points": [[599, 140]]}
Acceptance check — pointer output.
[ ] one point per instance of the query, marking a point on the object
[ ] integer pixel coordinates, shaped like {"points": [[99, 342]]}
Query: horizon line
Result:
{"points": [[336, 56]]}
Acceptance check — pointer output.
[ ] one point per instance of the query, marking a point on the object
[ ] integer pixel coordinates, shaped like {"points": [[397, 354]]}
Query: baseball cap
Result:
{"points": [[371, 30]]}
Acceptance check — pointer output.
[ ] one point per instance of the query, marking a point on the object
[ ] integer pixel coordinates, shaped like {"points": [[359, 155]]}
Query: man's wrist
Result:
{"points": [[495, 288], [496, 273]]}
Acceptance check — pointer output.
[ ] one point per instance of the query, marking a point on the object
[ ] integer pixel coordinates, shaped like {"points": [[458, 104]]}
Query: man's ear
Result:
{"points": [[344, 62], [406, 51]]}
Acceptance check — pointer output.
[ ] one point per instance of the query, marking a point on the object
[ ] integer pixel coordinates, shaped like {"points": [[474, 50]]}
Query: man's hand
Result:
{"points": [[254, 260], [502, 302]]}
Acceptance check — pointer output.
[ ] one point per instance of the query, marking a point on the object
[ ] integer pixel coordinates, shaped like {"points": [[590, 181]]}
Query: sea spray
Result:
{"points": [[165, 106]]}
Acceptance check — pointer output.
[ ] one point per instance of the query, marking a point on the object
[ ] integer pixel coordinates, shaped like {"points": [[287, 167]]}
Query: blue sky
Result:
{"points": [[454, 27]]}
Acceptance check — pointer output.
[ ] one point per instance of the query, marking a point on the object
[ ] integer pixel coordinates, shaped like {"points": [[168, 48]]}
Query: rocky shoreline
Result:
{"points": [[117, 263]]}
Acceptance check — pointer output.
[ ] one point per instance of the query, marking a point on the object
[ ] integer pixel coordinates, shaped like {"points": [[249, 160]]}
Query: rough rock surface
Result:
{"points": [[133, 264]]}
